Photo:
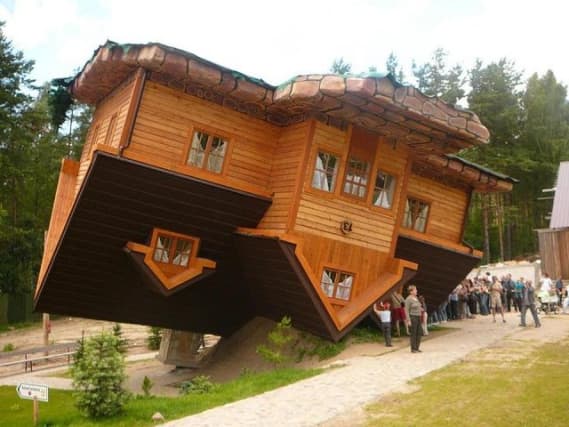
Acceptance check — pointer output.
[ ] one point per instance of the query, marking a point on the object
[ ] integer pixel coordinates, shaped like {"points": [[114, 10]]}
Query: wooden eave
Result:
{"points": [[377, 103], [457, 172], [122, 201]]}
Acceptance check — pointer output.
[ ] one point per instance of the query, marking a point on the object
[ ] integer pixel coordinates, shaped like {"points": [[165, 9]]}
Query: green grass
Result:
{"points": [[60, 411], [21, 325], [509, 386]]}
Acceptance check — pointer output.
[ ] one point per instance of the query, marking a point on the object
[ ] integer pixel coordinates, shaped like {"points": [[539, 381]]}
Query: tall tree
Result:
{"points": [[392, 66], [339, 66], [435, 78]]}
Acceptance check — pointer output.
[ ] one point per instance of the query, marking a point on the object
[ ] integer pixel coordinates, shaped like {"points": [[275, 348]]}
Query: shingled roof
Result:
{"points": [[372, 101]]}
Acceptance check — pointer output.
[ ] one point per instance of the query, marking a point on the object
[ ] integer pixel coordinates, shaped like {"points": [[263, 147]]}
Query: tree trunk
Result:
{"points": [[499, 210], [484, 200]]}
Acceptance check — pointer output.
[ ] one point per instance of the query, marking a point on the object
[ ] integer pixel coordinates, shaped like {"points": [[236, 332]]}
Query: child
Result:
{"points": [[383, 311]]}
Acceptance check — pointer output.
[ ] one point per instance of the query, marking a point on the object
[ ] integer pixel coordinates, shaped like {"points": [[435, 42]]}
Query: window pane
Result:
{"points": [[327, 282], [416, 214], [182, 253], [216, 155], [422, 213], [325, 171], [344, 286], [162, 249], [384, 190], [356, 177], [198, 149]]}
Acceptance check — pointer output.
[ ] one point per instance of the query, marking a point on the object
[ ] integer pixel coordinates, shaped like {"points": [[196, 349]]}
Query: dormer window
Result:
{"points": [[173, 250], [207, 151], [337, 284], [357, 177]]}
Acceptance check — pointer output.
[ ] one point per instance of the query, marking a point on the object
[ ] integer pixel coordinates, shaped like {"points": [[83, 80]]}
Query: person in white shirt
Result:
{"points": [[383, 311], [546, 283]]}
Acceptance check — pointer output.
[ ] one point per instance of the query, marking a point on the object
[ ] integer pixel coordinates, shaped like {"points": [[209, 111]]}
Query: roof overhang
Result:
{"points": [[377, 103]]}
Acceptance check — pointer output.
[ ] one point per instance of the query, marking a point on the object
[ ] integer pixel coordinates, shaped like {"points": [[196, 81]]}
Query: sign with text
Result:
{"points": [[37, 392]]}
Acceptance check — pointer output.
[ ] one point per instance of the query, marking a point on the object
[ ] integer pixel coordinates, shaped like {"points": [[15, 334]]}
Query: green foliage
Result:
{"points": [[339, 66], [435, 78], [147, 385], [363, 334], [59, 101], [154, 338], [278, 338], [199, 385], [8, 347], [392, 66], [311, 345], [122, 342], [98, 374]]}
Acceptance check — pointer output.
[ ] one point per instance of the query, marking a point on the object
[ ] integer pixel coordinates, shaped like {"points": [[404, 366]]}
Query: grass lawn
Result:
{"points": [[509, 385], [60, 411]]}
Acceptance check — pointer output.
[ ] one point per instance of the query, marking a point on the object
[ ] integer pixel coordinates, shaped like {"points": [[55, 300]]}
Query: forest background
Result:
{"points": [[528, 121]]}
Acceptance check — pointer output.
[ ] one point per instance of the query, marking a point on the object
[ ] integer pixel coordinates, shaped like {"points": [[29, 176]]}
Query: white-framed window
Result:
{"points": [[337, 284], [384, 190], [325, 171], [357, 177], [416, 214], [207, 151]]}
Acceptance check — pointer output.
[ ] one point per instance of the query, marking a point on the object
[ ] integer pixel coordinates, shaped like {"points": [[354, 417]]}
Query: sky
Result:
{"points": [[277, 40]]}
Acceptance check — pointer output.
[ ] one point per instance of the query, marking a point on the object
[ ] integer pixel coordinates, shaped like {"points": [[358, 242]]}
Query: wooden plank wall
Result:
{"points": [[107, 125], [165, 123], [284, 182], [554, 252], [62, 204], [447, 210]]}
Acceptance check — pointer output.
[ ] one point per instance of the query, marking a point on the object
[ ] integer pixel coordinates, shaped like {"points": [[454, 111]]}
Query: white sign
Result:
{"points": [[33, 391]]}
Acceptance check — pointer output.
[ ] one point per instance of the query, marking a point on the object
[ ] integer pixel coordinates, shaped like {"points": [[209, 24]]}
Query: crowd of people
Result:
{"points": [[484, 295]]}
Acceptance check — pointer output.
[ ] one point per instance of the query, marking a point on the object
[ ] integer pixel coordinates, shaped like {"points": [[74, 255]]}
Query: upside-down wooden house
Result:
{"points": [[204, 197]]}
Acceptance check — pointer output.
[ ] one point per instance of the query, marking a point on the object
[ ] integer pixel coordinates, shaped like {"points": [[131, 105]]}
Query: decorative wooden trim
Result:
{"points": [[401, 206], [300, 176], [133, 107]]}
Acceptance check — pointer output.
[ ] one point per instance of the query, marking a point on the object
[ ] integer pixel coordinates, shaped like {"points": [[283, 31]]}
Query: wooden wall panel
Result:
{"points": [[448, 207], [284, 181], [554, 252], [164, 127], [107, 125], [367, 264]]}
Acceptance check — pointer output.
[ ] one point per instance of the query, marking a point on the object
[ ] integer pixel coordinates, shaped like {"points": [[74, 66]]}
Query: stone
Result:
{"points": [[249, 91], [175, 66], [151, 57], [431, 110], [157, 416], [282, 92], [457, 122], [384, 86], [333, 85], [360, 86], [305, 89], [202, 73], [478, 130], [227, 84]]}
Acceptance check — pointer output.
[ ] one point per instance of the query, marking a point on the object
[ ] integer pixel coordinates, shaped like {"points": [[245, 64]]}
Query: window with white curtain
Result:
{"points": [[207, 152], [357, 177], [325, 171], [384, 190], [416, 215], [337, 284]]}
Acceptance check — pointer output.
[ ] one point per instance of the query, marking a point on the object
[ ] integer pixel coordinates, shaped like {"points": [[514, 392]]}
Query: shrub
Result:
{"points": [[154, 338], [98, 374], [146, 386], [122, 342], [8, 347], [198, 385], [277, 339]]}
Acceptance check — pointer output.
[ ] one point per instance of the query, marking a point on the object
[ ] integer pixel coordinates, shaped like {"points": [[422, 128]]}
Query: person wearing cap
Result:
{"points": [[413, 308]]}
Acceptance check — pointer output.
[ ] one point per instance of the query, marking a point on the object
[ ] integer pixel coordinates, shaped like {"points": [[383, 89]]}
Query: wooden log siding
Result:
{"points": [[286, 165], [447, 207], [165, 124], [107, 126]]}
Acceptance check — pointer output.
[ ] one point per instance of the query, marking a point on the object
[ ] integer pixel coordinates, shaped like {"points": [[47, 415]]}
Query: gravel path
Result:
{"points": [[324, 399]]}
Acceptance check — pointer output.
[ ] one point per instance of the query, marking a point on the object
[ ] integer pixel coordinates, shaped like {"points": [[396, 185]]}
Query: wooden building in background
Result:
{"points": [[204, 197], [554, 241]]}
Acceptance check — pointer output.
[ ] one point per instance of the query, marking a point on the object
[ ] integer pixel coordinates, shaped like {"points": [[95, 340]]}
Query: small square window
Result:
{"points": [[173, 250], [416, 214], [337, 284], [325, 171], [207, 152], [384, 190], [357, 176]]}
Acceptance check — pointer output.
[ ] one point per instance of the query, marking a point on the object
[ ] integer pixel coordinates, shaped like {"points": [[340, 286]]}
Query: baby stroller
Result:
{"points": [[547, 302]]}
